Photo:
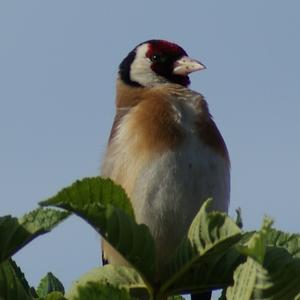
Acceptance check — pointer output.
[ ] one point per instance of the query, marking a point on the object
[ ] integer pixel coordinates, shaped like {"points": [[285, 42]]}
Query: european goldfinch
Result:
{"points": [[164, 149]]}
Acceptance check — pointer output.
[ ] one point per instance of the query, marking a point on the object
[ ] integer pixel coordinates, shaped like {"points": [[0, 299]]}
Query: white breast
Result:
{"points": [[168, 189]]}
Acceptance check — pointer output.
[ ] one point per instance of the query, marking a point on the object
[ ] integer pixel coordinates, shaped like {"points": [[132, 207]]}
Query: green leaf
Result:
{"points": [[13, 284], [256, 245], [239, 220], [106, 207], [55, 296], [49, 284], [271, 273], [98, 291], [210, 273], [120, 278], [16, 233], [206, 258], [244, 281], [288, 241], [277, 279], [177, 297], [94, 190]]}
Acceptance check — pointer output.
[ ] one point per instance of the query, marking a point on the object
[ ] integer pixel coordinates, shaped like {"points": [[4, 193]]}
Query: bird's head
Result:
{"points": [[156, 62]]}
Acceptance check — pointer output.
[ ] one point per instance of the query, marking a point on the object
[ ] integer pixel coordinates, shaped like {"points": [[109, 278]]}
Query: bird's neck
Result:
{"points": [[128, 96]]}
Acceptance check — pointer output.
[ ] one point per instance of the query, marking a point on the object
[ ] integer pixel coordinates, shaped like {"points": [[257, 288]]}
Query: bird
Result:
{"points": [[164, 148]]}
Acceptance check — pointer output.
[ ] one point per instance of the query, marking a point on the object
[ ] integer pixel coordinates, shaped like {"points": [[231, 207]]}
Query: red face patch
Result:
{"points": [[165, 49]]}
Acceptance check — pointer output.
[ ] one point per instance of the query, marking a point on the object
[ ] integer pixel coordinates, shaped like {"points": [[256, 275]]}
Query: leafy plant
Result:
{"points": [[214, 254]]}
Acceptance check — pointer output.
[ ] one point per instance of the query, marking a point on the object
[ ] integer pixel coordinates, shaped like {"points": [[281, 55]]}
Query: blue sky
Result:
{"points": [[58, 64]]}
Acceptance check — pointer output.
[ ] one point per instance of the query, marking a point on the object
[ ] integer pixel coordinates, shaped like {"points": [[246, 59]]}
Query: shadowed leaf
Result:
{"points": [[49, 284], [55, 296], [106, 207], [16, 233], [13, 284], [288, 241], [239, 220]]}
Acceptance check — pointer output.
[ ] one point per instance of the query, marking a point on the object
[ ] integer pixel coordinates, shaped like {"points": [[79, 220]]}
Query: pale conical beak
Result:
{"points": [[186, 65]]}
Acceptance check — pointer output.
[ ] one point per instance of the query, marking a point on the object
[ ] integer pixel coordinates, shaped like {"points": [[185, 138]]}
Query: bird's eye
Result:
{"points": [[155, 58]]}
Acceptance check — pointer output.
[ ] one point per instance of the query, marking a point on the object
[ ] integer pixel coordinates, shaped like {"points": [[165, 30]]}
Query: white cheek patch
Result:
{"points": [[140, 69]]}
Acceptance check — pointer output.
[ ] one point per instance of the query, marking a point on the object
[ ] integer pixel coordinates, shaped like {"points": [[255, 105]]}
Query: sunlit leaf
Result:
{"points": [[204, 255], [256, 245], [122, 280], [93, 190], [270, 273]]}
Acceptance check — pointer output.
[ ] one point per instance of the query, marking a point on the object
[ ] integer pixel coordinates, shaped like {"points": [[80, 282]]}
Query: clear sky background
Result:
{"points": [[58, 64]]}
